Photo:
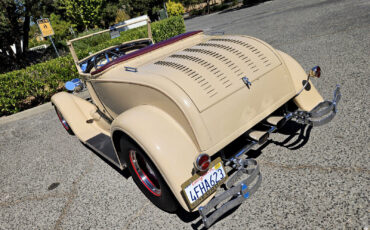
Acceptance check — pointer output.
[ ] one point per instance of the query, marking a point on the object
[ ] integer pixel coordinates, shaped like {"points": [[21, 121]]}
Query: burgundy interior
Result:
{"points": [[146, 50]]}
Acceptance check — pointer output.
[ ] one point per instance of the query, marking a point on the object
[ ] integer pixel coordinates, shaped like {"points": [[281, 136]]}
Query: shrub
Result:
{"points": [[174, 8], [121, 16], [161, 30], [34, 85]]}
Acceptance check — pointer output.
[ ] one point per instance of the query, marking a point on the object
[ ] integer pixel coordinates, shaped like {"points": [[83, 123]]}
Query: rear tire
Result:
{"points": [[147, 177], [64, 122]]}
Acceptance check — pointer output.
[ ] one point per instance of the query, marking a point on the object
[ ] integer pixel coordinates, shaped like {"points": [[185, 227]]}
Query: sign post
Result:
{"points": [[47, 31]]}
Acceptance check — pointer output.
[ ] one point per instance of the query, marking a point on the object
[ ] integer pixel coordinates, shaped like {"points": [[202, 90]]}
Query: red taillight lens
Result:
{"points": [[203, 162], [205, 166]]}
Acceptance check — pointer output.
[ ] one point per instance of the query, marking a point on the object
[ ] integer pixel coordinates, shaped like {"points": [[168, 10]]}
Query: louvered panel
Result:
{"points": [[212, 70]]}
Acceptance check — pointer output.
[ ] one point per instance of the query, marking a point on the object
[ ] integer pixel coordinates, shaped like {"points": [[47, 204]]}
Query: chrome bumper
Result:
{"points": [[238, 190], [323, 113], [236, 193]]}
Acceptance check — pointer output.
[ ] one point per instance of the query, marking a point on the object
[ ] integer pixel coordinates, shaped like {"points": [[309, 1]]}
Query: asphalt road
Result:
{"points": [[320, 181]]}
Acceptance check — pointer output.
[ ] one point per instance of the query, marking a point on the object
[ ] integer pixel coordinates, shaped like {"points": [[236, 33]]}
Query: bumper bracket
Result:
{"points": [[236, 193], [322, 114]]}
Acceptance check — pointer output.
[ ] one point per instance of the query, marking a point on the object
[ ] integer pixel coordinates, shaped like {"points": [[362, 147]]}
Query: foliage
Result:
{"points": [[22, 89], [174, 8], [141, 7], [34, 85], [33, 42], [15, 20], [61, 28], [121, 16], [161, 30], [213, 8], [168, 28], [10, 26], [85, 13]]}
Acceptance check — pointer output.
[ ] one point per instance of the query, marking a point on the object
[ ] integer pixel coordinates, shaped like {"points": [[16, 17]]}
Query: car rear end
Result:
{"points": [[243, 91]]}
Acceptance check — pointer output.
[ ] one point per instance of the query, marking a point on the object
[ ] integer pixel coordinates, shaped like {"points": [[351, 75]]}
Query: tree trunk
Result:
{"points": [[208, 6], [10, 51], [26, 30]]}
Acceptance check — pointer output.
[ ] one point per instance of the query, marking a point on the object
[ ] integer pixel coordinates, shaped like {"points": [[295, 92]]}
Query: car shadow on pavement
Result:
{"points": [[292, 128], [298, 136], [125, 173], [198, 225]]}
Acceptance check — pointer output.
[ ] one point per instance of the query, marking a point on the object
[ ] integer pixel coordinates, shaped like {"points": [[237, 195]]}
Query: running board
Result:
{"points": [[103, 145]]}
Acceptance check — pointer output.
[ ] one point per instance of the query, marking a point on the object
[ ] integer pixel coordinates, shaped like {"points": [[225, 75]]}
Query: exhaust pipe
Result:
{"points": [[259, 136], [279, 121]]}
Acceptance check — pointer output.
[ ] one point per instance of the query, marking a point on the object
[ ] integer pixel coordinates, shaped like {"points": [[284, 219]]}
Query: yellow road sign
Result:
{"points": [[45, 27]]}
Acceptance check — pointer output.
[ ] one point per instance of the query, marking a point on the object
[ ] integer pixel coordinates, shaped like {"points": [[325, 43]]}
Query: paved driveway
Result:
{"points": [[49, 180]]}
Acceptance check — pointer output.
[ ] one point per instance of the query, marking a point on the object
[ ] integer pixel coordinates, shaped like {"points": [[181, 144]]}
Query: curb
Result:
{"points": [[34, 111], [27, 113]]}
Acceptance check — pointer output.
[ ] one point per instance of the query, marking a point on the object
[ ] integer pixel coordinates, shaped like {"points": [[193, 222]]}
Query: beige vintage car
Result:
{"points": [[183, 113]]}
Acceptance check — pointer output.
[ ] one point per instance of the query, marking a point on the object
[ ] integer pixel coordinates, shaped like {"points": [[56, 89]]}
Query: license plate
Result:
{"points": [[199, 187]]}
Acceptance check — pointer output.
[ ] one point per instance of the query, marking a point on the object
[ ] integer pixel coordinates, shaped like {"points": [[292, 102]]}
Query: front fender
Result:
{"points": [[163, 139], [307, 99], [76, 111]]}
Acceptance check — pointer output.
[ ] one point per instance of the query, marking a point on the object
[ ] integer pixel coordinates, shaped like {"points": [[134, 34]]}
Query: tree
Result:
{"points": [[114, 10], [61, 28], [121, 16], [15, 18], [85, 13], [141, 7]]}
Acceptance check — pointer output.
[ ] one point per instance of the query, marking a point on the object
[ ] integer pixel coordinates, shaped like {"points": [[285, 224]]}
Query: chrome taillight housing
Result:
{"points": [[203, 162]]}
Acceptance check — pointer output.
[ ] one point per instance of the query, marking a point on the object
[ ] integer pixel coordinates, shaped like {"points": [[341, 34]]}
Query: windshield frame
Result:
{"points": [[78, 62]]}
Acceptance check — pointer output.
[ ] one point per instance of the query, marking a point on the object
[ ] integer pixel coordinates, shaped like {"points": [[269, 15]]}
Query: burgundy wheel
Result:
{"points": [[64, 122], [145, 173], [147, 177]]}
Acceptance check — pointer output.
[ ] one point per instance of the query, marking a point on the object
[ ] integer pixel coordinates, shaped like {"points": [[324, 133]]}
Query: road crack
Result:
{"points": [[73, 194], [138, 214], [33, 198]]}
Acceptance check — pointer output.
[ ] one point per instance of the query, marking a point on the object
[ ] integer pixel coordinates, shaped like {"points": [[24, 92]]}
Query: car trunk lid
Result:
{"points": [[213, 69]]}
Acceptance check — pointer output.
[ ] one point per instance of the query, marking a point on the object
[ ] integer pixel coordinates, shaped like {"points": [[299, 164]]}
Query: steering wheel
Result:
{"points": [[104, 58]]}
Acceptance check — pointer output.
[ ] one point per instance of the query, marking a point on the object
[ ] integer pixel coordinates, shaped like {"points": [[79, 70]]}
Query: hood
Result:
{"points": [[213, 69]]}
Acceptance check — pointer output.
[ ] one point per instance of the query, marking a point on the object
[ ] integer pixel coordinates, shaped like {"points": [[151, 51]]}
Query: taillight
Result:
{"points": [[203, 162]]}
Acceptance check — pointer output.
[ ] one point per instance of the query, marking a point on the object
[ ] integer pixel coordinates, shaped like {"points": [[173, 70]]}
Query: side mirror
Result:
{"points": [[74, 85], [315, 72]]}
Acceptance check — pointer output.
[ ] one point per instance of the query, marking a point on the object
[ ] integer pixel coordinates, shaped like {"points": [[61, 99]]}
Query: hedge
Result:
{"points": [[160, 30], [34, 85]]}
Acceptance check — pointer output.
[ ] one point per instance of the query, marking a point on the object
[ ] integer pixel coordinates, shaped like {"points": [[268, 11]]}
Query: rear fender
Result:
{"points": [[163, 139], [307, 99], [77, 111]]}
